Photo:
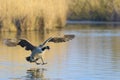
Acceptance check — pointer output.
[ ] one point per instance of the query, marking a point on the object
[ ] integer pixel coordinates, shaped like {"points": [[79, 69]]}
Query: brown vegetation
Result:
{"points": [[100, 10], [32, 14], [26, 15]]}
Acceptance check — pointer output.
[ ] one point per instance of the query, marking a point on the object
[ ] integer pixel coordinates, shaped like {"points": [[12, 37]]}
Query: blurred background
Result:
{"points": [[23, 15]]}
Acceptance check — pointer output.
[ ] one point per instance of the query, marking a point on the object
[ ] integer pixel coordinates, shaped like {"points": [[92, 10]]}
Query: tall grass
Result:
{"points": [[32, 14], [26, 15], [101, 10]]}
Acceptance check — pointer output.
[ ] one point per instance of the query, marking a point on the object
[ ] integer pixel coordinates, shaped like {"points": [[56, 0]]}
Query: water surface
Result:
{"points": [[94, 54]]}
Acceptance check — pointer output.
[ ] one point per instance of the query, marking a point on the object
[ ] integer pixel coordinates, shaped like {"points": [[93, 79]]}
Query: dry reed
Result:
{"points": [[32, 14], [24, 15], [101, 10]]}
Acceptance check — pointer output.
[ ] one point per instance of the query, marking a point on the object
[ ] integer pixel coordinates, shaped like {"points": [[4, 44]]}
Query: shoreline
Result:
{"points": [[91, 22]]}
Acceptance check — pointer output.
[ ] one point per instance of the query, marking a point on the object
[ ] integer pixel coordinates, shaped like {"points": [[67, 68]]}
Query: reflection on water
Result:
{"points": [[94, 54], [35, 73]]}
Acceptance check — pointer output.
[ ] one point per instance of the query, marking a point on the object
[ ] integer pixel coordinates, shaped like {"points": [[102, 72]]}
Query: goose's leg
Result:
{"points": [[42, 61], [36, 61]]}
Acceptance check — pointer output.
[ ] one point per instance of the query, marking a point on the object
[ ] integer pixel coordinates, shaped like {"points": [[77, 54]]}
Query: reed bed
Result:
{"points": [[24, 15], [100, 10]]}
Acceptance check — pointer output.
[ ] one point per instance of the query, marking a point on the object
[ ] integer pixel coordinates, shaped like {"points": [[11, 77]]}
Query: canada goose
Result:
{"points": [[36, 50]]}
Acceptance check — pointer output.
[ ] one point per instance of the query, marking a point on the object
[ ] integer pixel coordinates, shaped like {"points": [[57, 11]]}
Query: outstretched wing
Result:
{"points": [[22, 42], [62, 39], [26, 44], [10, 42], [41, 45], [58, 39]]}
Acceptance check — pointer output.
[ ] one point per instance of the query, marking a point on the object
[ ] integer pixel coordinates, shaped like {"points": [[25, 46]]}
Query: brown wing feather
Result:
{"points": [[22, 42], [10, 42], [62, 39]]}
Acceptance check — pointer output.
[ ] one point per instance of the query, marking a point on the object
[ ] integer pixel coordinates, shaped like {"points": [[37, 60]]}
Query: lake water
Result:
{"points": [[94, 54]]}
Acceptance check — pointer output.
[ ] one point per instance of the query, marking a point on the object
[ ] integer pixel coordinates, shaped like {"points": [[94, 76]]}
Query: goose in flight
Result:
{"points": [[36, 51]]}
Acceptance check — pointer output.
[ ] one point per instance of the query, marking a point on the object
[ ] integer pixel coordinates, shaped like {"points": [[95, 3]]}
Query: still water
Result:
{"points": [[94, 54]]}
